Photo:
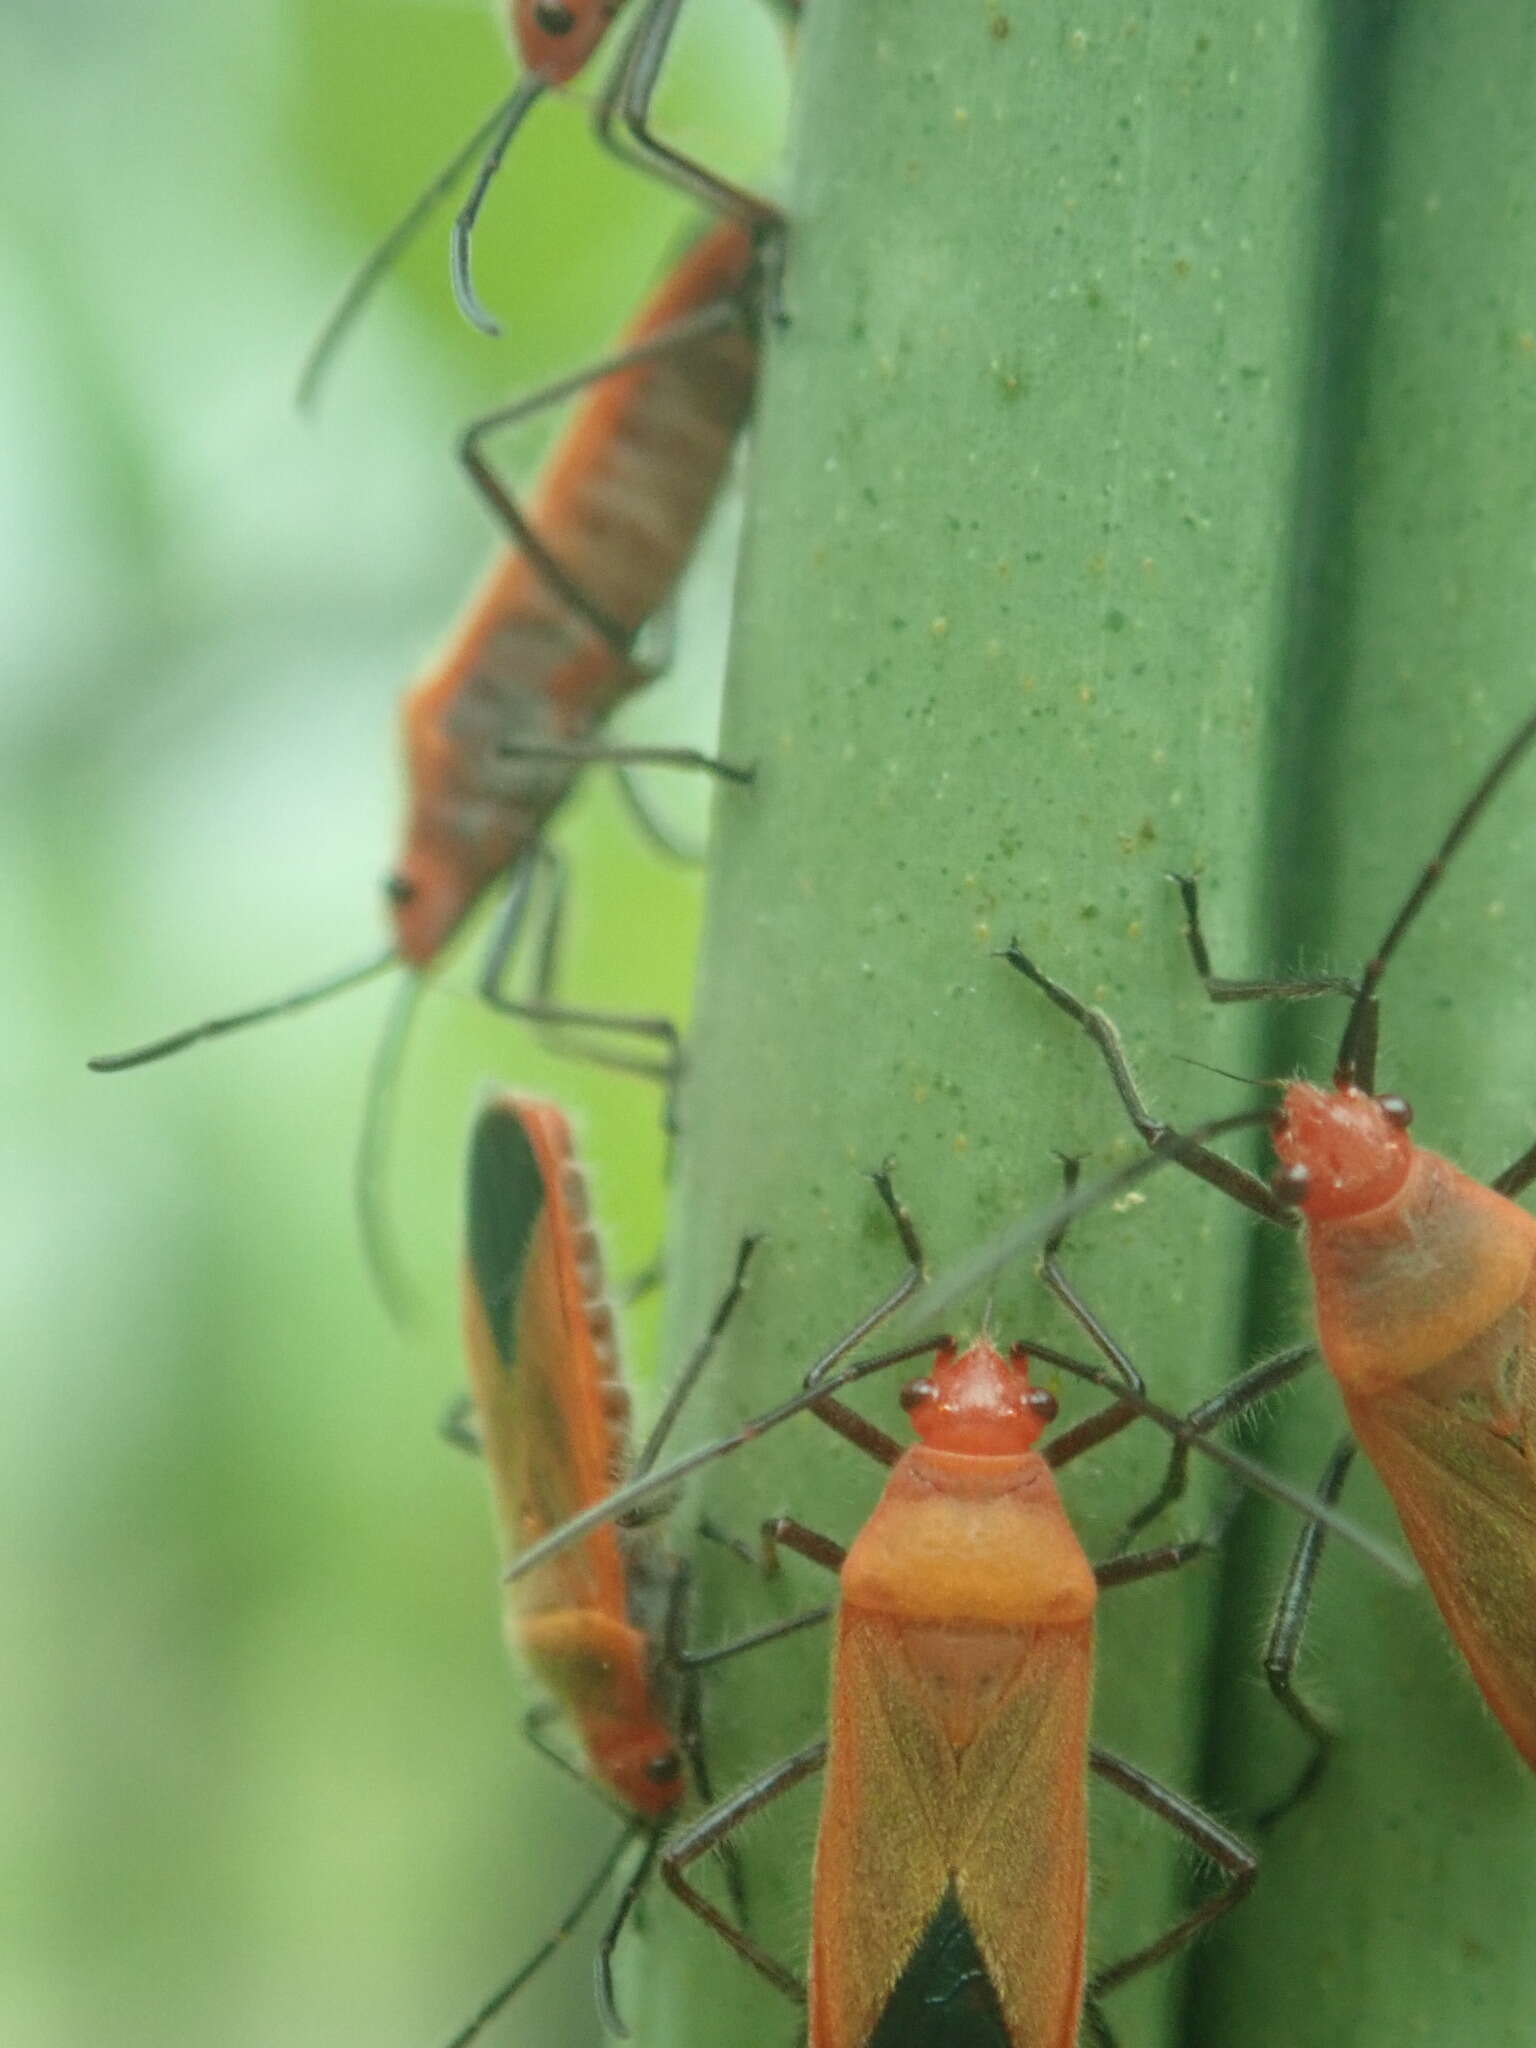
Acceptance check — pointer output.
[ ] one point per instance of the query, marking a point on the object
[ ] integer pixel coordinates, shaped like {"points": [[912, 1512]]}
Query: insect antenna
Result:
{"points": [[236, 1020], [968, 1273], [585, 1899], [376, 265], [1356, 1060], [510, 119], [1259, 1477], [381, 1254]]}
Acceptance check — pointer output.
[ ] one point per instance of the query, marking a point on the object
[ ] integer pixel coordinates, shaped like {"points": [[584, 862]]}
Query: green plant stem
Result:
{"points": [[1014, 638], [1400, 1905]]}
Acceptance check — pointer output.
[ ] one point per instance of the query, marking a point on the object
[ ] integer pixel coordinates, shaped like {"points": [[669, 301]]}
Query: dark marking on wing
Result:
{"points": [[944, 1998], [506, 1200]]}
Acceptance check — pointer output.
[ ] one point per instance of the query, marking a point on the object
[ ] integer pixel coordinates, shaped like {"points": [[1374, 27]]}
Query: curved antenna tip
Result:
{"points": [[465, 296]]}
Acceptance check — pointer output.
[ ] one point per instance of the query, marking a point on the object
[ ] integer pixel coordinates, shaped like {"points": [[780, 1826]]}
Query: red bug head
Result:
{"points": [[1342, 1152], [978, 1402], [556, 37], [643, 1767], [425, 893]]}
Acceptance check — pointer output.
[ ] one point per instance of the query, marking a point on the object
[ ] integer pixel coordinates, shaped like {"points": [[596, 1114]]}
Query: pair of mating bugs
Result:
{"points": [[950, 1872], [498, 729]]}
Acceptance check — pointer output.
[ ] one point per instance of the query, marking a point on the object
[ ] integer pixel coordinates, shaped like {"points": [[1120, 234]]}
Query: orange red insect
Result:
{"points": [[950, 1870], [1424, 1289], [603, 1626]]}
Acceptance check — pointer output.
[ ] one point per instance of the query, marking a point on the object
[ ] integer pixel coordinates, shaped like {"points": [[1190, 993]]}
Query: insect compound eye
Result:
{"points": [[554, 19], [662, 1769], [1043, 1402], [917, 1394], [1290, 1184], [399, 889], [1396, 1109]]}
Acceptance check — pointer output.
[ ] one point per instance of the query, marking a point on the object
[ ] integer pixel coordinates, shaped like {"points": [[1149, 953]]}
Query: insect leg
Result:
{"points": [[911, 1244], [1222, 989], [784, 1532], [688, 1378], [1094, 1429], [1243, 1392], [1244, 1187], [628, 95], [712, 1828], [688, 1664], [544, 1009], [1517, 1176], [457, 1426], [1225, 1849], [568, 1925], [602, 1967], [539, 1717], [638, 1493], [1285, 1634], [701, 1660], [608, 754], [1096, 2028], [692, 327], [1147, 1564]]}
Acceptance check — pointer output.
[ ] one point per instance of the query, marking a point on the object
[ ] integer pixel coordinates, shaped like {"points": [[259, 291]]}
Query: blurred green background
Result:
{"points": [[262, 1781]]}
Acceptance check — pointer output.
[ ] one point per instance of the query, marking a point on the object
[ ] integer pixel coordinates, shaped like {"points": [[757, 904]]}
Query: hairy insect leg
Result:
{"points": [[627, 97], [1284, 1643], [712, 1828], [1236, 1181], [1357, 1055], [1225, 1850], [1238, 1395], [1224, 989]]}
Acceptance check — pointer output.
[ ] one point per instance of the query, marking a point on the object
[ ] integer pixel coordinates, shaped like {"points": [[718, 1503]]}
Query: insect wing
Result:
{"points": [[1466, 1497], [916, 1834], [544, 1400]]}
